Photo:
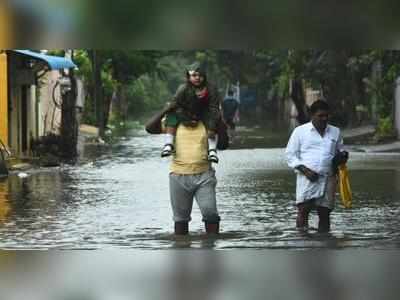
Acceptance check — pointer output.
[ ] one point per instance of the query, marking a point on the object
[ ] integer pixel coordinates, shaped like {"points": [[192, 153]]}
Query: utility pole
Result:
{"points": [[97, 91], [69, 122]]}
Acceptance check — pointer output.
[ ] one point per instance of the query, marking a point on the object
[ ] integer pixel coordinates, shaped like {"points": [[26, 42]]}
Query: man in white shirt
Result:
{"points": [[313, 151]]}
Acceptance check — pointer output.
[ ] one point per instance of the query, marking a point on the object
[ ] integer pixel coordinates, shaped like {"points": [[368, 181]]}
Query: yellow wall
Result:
{"points": [[5, 23], [3, 99]]}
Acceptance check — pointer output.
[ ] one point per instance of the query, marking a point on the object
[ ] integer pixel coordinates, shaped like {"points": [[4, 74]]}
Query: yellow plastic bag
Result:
{"points": [[344, 186]]}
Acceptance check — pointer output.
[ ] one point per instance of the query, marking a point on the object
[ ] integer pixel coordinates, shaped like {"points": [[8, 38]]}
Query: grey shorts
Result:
{"points": [[185, 188]]}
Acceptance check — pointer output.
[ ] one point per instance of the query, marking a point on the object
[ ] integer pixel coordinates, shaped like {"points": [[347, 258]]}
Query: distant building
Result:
{"points": [[312, 95], [22, 105]]}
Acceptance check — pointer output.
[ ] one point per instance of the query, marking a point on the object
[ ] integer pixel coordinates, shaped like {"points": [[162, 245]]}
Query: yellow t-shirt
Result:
{"points": [[191, 146]]}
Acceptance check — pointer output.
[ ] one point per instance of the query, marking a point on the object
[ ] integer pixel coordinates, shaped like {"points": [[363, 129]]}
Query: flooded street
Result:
{"points": [[117, 197]]}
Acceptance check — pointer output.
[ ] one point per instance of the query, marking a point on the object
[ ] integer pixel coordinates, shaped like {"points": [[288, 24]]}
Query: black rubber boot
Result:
{"points": [[324, 224], [212, 228], [181, 228]]}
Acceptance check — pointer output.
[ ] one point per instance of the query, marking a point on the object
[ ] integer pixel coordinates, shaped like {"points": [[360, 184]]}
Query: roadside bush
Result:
{"points": [[385, 129]]}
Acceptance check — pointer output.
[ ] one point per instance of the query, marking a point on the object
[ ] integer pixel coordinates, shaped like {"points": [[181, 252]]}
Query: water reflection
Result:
{"points": [[5, 207], [118, 198], [188, 278], [55, 275]]}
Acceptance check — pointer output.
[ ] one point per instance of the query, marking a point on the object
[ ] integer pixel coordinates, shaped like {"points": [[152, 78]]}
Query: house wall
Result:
{"points": [[14, 117], [22, 123], [49, 112], [5, 24], [3, 99]]}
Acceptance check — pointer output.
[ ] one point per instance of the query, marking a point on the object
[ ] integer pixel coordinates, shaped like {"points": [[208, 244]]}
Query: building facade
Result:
{"points": [[3, 98], [25, 110]]}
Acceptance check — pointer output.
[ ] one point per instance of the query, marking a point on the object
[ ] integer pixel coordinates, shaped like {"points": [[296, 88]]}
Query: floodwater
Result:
{"points": [[117, 197]]}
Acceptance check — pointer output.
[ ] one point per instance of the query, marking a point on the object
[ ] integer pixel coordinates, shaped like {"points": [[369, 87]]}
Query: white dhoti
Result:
{"points": [[321, 191]]}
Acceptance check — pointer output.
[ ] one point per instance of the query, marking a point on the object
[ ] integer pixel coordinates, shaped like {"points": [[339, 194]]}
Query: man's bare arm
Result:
{"points": [[153, 125]]}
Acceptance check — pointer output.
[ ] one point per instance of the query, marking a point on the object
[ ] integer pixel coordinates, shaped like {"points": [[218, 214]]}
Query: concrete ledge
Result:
{"points": [[88, 130], [358, 131], [389, 147], [20, 167]]}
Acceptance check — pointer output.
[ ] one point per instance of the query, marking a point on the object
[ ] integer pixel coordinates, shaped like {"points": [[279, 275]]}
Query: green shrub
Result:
{"points": [[385, 128]]}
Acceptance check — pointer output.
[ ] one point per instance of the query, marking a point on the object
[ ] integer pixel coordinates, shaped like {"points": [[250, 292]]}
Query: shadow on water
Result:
{"points": [[118, 197]]}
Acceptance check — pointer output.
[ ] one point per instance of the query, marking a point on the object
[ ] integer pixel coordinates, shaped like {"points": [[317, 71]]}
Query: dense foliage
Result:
{"points": [[135, 82]]}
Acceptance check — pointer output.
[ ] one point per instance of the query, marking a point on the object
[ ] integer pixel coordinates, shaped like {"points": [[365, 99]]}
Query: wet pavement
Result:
{"points": [[117, 197]]}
